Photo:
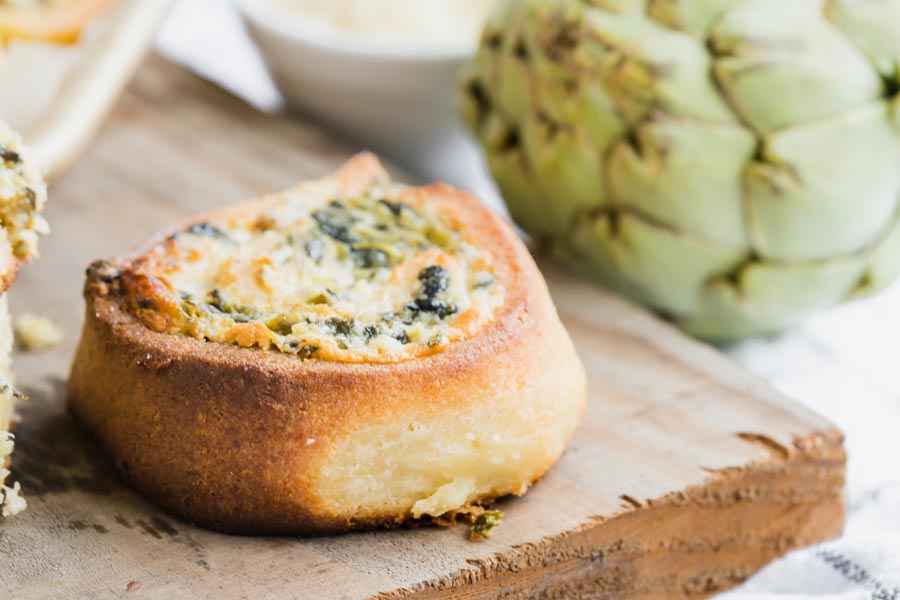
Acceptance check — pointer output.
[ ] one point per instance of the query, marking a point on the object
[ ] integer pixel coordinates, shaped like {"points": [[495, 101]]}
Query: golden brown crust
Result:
{"points": [[245, 440]]}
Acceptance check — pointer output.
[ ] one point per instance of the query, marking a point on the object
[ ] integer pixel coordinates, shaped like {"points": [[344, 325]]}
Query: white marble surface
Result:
{"points": [[844, 362]]}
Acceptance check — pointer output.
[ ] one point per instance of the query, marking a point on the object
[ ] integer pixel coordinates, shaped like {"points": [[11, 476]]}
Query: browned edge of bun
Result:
{"points": [[240, 439]]}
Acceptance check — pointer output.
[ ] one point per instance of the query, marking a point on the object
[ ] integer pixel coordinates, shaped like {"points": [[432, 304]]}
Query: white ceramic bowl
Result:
{"points": [[393, 101]]}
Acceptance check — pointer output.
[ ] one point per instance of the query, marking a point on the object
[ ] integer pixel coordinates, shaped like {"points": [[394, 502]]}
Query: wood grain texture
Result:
{"points": [[687, 475]]}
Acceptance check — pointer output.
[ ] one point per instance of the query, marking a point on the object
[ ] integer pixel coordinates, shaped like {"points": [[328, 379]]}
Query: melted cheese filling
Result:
{"points": [[350, 279]]}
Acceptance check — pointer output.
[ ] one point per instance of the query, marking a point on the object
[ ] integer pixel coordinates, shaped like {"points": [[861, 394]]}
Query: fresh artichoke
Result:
{"points": [[734, 164]]}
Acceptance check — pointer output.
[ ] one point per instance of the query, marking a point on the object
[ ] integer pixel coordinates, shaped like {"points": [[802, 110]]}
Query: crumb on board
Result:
{"points": [[34, 333], [483, 525], [12, 501]]}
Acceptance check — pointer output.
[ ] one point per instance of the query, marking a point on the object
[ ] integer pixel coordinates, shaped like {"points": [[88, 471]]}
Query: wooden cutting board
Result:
{"points": [[687, 475]]}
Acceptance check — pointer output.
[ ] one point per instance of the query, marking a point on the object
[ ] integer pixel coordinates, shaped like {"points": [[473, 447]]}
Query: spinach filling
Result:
{"points": [[435, 281], [208, 229], [347, 331], [484, 524], [369, 234]]}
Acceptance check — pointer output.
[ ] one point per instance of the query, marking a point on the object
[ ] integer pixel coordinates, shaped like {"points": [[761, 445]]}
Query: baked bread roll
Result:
{"points": [[23, 194], [348, 354]]}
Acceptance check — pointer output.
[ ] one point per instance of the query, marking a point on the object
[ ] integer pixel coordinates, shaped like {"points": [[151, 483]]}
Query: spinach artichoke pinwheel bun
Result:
{"points": [[347, 354], [23, 194]]}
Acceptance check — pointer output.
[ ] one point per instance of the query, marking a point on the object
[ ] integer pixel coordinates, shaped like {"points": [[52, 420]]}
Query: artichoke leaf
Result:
{"points": [[691, 16], [513, 88], [622, 6], [663, 267], [650, 68], [508, 69], [765, 297], [474, 104], [686, 174], [826, 189], [782, 63], [567, 167], [873, 26], [566, 89], [474, 85], [588, 105], [895, 106], [527, 205], [884, 262]]}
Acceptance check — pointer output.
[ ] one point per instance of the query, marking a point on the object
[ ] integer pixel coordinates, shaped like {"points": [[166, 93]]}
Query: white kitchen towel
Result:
{"points": [[844, 363], [834, 363]]}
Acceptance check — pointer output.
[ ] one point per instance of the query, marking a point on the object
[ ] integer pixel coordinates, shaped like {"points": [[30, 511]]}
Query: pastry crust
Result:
{"points": [[259, 441]]}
